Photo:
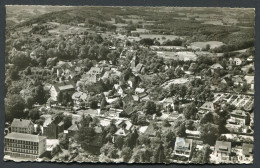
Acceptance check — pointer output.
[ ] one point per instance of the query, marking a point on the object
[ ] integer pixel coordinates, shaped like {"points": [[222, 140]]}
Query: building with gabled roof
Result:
{"points": [[52, 126], [22, 126], [57, 88], [209, 106]]}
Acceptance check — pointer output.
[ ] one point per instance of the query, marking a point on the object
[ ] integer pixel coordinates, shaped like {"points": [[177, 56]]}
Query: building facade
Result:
{"points": [[22, 126], [20, 145]]}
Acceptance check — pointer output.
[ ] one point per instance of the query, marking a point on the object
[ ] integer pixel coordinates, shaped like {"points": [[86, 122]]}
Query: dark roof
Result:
{"points": [[64, 86], [25, 137], [248, 149], [223, 146], [22, 123]]}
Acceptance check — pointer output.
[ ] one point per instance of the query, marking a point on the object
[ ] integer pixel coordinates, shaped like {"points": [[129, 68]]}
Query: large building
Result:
{"points": [[52, 126], [24, 145], [62, 87], [22, 126]]}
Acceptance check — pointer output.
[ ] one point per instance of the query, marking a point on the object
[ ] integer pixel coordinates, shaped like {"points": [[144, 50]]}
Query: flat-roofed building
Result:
{"points": [[20, 145], [223, 151], [183, 147]]}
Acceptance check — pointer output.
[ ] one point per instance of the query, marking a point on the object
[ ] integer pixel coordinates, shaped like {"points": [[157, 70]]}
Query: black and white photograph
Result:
{"points": [[129, 84]]}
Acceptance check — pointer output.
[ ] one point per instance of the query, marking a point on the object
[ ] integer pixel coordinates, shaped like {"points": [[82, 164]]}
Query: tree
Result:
{"points": [[103, 51], [40, 95], [190, 112], [166, 123], [144, 140], [14, 106], [21, 60], [103, 103], [29, 101], [109, 150], [64, 141], [134, 118], [119, 142], [56, 150], [209, 133], [126, 154], [179, 128], [159, 156], [131, 139], [93, 104], [209, 118], [150, 107], [13, 73], [85, 136], [202, 156], [34, 114]]}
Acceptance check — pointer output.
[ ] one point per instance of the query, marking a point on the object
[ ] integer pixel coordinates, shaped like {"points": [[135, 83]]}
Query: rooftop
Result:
{"points": [[25, 137], [223, 146], [22, 123]]}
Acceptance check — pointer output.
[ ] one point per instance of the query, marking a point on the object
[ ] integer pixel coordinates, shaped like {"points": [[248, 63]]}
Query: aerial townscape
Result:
{"points": [[129, 84]]}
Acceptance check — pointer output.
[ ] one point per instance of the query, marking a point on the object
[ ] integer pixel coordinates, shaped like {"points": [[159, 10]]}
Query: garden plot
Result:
{"points": [[201, 45]]}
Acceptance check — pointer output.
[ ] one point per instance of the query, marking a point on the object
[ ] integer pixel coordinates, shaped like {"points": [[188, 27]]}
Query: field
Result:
{"points": [[200, 45], [182, 55], [159, 37]]}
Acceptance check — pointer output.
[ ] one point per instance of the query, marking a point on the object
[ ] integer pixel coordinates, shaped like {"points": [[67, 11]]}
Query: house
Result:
{"points": [[238, 80], [207, 106], [127, 112], [128, 100], [79, 97], [183, 147], [22, 126], [192, 134], [52, 126], [239, 117], [168, 103], [73, 129], [113, 112], [247, 153], [250, 81], [125, 128], [20, 145], [118, 89], [151, 130], [215, 67], [63, 87], [250, 58], [139, 90], [93, 75], [222, 151], [239, 61]]}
